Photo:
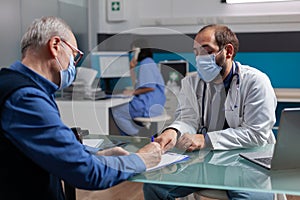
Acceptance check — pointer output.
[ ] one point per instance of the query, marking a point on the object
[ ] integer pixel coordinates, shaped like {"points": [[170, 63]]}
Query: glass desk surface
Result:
{"points": [[224, 170], [213, 169], [131, 144]]}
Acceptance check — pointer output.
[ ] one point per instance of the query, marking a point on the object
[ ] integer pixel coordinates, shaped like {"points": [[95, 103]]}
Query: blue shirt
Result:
{"points": [[151, 103], [31, 120]]}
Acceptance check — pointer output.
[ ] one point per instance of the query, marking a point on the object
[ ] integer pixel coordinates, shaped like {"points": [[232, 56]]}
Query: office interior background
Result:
{"points": [[268, 32]]}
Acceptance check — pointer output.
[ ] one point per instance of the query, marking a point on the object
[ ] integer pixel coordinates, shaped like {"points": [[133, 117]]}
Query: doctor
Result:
{"points": [[225, 105]]}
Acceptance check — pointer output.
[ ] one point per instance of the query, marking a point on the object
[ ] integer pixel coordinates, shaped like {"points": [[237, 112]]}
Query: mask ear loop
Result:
{"points": [[218, 54], [60, 66]]}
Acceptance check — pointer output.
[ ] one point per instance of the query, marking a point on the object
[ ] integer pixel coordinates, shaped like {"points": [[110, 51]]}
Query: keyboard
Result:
{"points": [[266, 160]]}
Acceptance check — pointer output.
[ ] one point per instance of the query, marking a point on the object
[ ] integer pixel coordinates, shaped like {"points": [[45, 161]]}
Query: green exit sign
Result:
{"points": [[115, 6]]}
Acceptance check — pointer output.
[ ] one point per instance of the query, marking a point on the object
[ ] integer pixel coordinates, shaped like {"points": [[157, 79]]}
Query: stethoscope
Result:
{"points": [[203, 129]]}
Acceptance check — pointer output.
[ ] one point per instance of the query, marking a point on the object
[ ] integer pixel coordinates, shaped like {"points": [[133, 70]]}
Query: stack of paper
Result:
{"points": [[169, 158]]}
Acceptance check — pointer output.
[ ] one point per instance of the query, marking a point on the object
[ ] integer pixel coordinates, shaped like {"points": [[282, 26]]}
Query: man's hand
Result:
{"points": [[191, 142], [167, 139], [115, 151], [150, 154]]}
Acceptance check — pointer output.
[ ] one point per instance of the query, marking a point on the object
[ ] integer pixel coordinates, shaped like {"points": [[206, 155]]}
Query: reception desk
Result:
{"points": [[288, 95]]}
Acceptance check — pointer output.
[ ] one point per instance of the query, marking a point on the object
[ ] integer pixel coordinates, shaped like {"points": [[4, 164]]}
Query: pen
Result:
{"points": [[152, 138]]}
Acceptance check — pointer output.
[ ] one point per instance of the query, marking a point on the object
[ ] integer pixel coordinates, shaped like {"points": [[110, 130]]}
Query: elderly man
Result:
{"points": [[38, 150]]}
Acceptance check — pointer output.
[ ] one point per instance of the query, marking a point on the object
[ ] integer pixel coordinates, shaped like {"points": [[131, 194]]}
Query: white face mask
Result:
{"points": [[207, 68]]}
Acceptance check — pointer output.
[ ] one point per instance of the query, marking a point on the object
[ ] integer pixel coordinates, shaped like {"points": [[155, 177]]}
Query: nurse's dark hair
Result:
{"points": [[145, 52], [223, 36]]}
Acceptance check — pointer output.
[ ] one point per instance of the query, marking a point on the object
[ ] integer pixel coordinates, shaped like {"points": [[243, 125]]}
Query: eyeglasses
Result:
{"points": [[78, 54]]}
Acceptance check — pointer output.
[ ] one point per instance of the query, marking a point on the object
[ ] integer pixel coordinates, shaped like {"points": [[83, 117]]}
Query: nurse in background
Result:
{"points": [[148, 93]]}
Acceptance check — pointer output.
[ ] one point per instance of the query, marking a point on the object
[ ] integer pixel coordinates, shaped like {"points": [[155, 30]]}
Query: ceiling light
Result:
{"points": [[251, 1]]}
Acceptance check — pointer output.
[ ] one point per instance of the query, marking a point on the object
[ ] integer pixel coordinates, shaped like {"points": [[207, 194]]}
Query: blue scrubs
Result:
{"points": [[32, 122], [149, 104]]}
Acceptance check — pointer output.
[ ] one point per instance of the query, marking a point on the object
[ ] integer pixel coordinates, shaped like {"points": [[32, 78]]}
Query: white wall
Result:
{"points": [[10, 31], [16, 15], [187, 16]]}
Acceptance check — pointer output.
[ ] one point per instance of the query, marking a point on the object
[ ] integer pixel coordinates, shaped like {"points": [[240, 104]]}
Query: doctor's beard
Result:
{"points": [[222, 60]]}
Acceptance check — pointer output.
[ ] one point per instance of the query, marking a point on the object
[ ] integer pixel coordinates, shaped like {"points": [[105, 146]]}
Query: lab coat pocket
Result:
{"points": [[232, 117]]}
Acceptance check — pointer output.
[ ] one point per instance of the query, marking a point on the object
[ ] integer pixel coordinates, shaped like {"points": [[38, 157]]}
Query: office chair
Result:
{"points": [[151, 124], [211, 193], [146, 121]]}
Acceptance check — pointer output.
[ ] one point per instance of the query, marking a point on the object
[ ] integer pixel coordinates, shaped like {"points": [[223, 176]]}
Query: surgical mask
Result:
{"points": [[207, 68], [67, 76]]}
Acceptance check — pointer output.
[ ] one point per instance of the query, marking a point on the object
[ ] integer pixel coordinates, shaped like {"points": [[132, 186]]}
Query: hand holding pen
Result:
{"points": [[167, 139], [150, 154]]}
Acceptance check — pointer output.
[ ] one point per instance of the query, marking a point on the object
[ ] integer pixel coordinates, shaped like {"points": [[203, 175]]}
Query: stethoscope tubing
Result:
{"points": [[204, 129]]}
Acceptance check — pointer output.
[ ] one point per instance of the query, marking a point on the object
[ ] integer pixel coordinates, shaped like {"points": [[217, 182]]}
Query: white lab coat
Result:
{"points": [[249, 110]]}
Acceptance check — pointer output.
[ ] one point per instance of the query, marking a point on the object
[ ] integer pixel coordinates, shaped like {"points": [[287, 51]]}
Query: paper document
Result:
{"points": [[169, 158], [92, 142]]}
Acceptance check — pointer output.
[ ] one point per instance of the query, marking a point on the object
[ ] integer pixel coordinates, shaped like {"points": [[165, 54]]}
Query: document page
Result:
{"points": [[169, 158]]}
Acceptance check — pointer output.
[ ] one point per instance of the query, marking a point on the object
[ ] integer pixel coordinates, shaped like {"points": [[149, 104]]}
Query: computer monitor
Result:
{"points": [[113, 69], [111, 64], [173, 71]]}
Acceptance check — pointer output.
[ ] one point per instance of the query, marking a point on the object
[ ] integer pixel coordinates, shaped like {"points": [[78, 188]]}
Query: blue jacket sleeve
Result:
{"points": [[32, 122]]}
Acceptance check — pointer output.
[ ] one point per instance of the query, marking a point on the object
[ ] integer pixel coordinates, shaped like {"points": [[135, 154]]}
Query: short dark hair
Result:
{"points": [[145, 52], [223, 36]]}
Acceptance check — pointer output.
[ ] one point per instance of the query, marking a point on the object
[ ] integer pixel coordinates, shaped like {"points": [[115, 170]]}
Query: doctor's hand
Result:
{"points": [[191, 142], [167, 139], [150, 154]]}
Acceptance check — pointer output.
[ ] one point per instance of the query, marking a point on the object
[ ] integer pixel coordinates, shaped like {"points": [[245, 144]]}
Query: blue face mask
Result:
{"points": [[67, 76], [207, 68]]}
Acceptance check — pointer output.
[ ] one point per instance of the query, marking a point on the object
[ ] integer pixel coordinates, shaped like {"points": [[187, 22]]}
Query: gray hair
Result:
{"points": [[41, 30]]}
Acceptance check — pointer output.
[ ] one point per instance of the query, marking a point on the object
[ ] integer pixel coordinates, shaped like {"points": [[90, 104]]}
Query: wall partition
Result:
{"points": [[275, 53]]}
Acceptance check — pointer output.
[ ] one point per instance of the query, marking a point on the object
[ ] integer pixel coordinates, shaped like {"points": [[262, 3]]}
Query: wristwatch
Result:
{"points": [[177, 131]]}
